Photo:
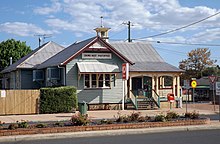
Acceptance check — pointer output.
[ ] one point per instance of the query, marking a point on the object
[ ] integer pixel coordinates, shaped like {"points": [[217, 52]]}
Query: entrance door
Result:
{"points": [[136, 85], [147, 86]]}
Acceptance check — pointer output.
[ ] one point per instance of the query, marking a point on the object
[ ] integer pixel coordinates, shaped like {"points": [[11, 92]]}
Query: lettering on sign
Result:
{"points": [[96, 55], [125, 71], [3, 93], [217, 88]]}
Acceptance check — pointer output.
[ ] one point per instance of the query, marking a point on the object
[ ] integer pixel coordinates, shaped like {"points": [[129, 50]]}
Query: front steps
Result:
{"points": [[142, 104]]}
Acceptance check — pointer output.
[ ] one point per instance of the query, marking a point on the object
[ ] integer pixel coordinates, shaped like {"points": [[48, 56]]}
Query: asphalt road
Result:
{"points": [[184, 137]]}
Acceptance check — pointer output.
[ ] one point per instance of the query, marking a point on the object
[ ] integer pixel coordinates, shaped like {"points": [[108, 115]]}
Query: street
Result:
{"points": [[184, 137]]}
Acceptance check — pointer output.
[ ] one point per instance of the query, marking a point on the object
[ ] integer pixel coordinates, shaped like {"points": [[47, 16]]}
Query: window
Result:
{"points": [[94, 81], [107, 80], [53, 73], [97, 80], [38, 75], [87, 82]]}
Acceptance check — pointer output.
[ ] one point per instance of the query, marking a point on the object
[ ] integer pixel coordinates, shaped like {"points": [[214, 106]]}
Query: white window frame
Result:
{"points": [[97, 81], [34, 75], [49, 74]]}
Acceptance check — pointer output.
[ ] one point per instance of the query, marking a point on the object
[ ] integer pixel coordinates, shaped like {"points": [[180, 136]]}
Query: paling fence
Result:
{"points": [[19, 102]]}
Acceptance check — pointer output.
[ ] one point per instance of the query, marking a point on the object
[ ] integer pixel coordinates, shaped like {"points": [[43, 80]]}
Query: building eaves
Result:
{"points": [[64, 55], [36, 57]]}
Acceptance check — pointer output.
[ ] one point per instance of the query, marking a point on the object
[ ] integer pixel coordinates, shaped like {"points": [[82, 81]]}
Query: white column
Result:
{"points": [[162, 82], [126, 89], [174, 82], [178, 86], [123, 94], [153, 83], [157, 85]]}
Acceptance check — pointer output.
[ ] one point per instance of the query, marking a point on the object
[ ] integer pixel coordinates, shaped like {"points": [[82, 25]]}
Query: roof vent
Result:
{"points": [[102, 31]]}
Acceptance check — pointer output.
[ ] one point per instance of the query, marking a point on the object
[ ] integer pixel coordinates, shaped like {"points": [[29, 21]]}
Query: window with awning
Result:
{"points": [[96, 74], [97, 67]]}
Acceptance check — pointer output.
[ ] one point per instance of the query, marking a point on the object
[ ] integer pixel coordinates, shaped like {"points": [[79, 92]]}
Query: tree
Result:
{"points": [[198, 60], [14, 49], [211, 71]]}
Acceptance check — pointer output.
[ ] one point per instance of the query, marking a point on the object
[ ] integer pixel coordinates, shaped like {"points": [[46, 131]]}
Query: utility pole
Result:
{"points": [[129, 30]]}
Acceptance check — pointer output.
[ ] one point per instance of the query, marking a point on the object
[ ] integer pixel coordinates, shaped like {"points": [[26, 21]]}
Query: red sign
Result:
{"points": [[125, 71], [170, 97], [212, 79]]}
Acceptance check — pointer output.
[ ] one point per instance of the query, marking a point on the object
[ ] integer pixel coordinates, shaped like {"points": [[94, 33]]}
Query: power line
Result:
{"points": [[173, 51], [178, 52], [171, 31], [179, 43], [113, 35]]}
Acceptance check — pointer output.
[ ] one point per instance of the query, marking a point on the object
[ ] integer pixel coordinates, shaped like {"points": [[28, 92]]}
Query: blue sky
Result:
{"points": [[74, 20]]}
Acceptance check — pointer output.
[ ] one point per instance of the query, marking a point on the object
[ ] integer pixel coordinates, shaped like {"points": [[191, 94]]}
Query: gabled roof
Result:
{"points": [[144, 56], [36, 57], [69, 53]]}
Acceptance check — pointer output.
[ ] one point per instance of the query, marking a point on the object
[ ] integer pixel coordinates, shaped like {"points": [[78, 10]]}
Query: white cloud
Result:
{"points": [[61, 24], [22, 29], [154, 15], [54, 8], [206, 36]]}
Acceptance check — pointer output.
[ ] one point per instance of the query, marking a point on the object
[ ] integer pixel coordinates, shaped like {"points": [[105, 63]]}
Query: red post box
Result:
{"points": [[170, 97]]}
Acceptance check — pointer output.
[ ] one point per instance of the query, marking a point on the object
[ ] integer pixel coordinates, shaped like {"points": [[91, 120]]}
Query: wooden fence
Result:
{"points": [[19, 102]]}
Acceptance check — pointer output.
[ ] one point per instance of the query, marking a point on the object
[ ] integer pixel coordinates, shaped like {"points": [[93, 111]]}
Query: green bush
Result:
{"points": [[79, 120], [58, 100], [134, 116], [58, 124], [172, 115], [13, 126], [141, 119], [41, 125], [22, 124], [106, 121], [160, 118], [192, 115]]}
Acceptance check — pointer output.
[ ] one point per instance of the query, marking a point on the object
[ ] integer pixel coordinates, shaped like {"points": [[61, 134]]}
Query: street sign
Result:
{"points": [[193, 84], [212, 79], [217, 84], [125, 71], [186, 84]]}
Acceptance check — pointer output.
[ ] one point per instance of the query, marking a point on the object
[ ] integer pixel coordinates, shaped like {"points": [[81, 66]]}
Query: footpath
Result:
{"points": [[204, 109]]}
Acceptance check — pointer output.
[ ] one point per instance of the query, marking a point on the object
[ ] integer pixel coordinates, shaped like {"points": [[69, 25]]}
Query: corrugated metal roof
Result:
{"points": [[65, 54], [137, 52], [69, 53], [96, 67], [153, 67], [144, 56], [36, 57]]}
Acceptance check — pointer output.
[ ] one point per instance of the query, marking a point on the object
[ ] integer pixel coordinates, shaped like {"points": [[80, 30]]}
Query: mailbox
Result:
{"points": [[170, 97]]}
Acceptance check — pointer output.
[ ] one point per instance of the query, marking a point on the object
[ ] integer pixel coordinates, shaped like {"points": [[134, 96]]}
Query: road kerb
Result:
{"points": [[108, 133]]}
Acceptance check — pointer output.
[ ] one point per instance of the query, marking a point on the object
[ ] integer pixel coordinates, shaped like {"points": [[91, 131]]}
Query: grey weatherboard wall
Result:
{"points": [[94, 96]]}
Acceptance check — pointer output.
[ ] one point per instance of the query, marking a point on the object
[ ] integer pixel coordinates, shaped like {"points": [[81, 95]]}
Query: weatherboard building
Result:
{"points": [[94, 67]]}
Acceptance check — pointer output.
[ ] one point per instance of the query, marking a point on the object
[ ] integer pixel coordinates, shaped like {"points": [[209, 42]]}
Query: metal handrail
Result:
{"points": [[156, 99], [133, 98]]}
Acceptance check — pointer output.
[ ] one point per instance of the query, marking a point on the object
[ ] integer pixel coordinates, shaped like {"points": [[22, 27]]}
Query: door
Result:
{"points": [[147, 86], [136, 85]]}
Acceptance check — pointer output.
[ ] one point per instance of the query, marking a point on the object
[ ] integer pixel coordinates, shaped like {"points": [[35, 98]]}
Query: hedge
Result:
{"points": [[58, 100]]}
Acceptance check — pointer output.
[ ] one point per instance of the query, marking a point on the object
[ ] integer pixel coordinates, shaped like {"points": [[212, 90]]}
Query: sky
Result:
{"points": [[68, 21]]}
